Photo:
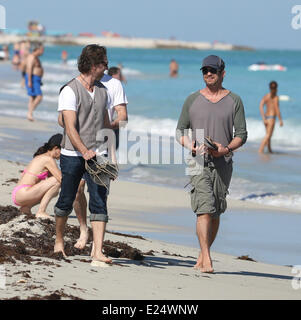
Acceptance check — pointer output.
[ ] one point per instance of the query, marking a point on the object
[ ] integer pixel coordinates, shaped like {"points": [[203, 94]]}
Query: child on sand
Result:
{"points": [[41, 179]]}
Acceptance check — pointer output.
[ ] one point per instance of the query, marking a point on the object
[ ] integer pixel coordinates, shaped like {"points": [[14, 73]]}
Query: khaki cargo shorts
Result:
{"points": [[209, 190]]}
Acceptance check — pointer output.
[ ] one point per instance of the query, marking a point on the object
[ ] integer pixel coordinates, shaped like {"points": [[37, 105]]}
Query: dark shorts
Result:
{"points": [[209, 190], [35, 89], [73, 169]]}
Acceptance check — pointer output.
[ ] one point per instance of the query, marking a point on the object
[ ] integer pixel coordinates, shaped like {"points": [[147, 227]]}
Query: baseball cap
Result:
{"points": [[213, 62]]}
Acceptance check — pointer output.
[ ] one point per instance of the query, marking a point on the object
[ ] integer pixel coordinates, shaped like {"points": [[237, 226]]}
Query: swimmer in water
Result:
{"points": [[173, 68]]}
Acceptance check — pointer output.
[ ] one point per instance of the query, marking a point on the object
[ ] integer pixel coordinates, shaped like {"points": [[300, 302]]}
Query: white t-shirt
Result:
{"points": [[67, 101], [115, 93]]}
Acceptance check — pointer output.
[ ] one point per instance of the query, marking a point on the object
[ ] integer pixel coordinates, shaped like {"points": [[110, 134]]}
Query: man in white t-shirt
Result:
{"points": [[117, 110], [83, 103]]}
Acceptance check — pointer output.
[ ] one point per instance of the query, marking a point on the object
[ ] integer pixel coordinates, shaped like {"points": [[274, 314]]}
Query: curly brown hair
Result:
{"points": [[91, 55]]}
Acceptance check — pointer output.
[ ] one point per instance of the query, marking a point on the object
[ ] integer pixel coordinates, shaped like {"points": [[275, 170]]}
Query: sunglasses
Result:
{"points": [[208, 69]]}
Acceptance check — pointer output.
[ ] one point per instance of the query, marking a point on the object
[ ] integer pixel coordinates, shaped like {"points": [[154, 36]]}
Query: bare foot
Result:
{"points": [[43, 215], [207, 266], [25, 210], [199, 263], [30, 117], [59, 247], [101, 257], [83, 239], [208, 269]]}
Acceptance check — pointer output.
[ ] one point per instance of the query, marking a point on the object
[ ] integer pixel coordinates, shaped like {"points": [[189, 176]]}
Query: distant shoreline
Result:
{"points": [[120, 42]]}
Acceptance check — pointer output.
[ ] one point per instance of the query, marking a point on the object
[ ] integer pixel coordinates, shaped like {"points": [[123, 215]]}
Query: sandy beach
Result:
{"points": [[150, 269]]}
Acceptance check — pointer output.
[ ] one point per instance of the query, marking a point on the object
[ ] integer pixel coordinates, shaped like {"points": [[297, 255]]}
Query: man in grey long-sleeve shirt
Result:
{"points": [[216, 111]]}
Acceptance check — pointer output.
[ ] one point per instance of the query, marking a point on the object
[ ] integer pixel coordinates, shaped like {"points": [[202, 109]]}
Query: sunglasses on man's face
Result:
{"points": [[208, 69]]}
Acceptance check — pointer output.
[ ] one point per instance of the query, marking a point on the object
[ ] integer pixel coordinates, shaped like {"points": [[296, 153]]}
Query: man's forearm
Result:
{"points": [[117, 123], [185, 142], [235, 143], [122, 117]]}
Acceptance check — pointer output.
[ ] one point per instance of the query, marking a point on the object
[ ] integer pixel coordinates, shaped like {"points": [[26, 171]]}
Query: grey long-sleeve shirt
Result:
{"points": [[216, 119]]}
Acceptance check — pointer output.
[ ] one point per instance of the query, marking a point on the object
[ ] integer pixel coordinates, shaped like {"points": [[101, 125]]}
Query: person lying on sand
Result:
{"points": [[41, 179]]}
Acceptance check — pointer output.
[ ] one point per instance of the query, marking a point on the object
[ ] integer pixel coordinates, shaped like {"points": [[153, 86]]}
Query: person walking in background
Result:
{"points": [[173, 68], [271, 100], [6, 52], [64, 56], [33, 79], [216, 111], [116, 72], [16, 56], [24, 53], [41, 179], [83, 103], [117, 111]]}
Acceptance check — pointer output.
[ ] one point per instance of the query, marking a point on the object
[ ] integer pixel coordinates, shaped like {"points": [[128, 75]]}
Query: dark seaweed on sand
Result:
{"points": [[246, 257], [24, 245]]}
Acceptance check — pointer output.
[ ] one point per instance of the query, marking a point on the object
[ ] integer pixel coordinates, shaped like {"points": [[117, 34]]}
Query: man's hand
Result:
{"points": [[29, 84], [281, 123], [221, 151], [89, 154]]}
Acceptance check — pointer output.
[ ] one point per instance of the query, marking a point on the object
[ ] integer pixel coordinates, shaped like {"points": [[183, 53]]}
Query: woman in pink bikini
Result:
{"points": [[41, 179]]}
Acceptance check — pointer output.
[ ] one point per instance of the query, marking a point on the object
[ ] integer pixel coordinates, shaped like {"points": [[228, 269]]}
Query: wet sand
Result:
{"points": [[143, 268]]}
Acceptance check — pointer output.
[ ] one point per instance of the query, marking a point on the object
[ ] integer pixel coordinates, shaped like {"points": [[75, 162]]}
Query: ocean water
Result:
{"points": [[155, 103]]}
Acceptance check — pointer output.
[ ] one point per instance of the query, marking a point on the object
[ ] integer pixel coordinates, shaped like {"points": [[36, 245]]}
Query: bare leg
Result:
{"points": [[80, 208], [33, 103], [270, 131], [30, 196], [269, 146], [99, 228], [267, 139], [204, 232], [214, 230], [264, 142], [51, 193], [22, 82], [59, 240], [29, 113]]}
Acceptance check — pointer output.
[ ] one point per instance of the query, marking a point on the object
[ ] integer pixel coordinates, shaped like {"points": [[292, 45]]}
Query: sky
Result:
{"points": [[257, 23]]}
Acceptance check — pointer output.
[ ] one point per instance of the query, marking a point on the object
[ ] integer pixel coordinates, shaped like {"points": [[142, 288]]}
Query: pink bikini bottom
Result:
{"points": [[16, 189]]}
